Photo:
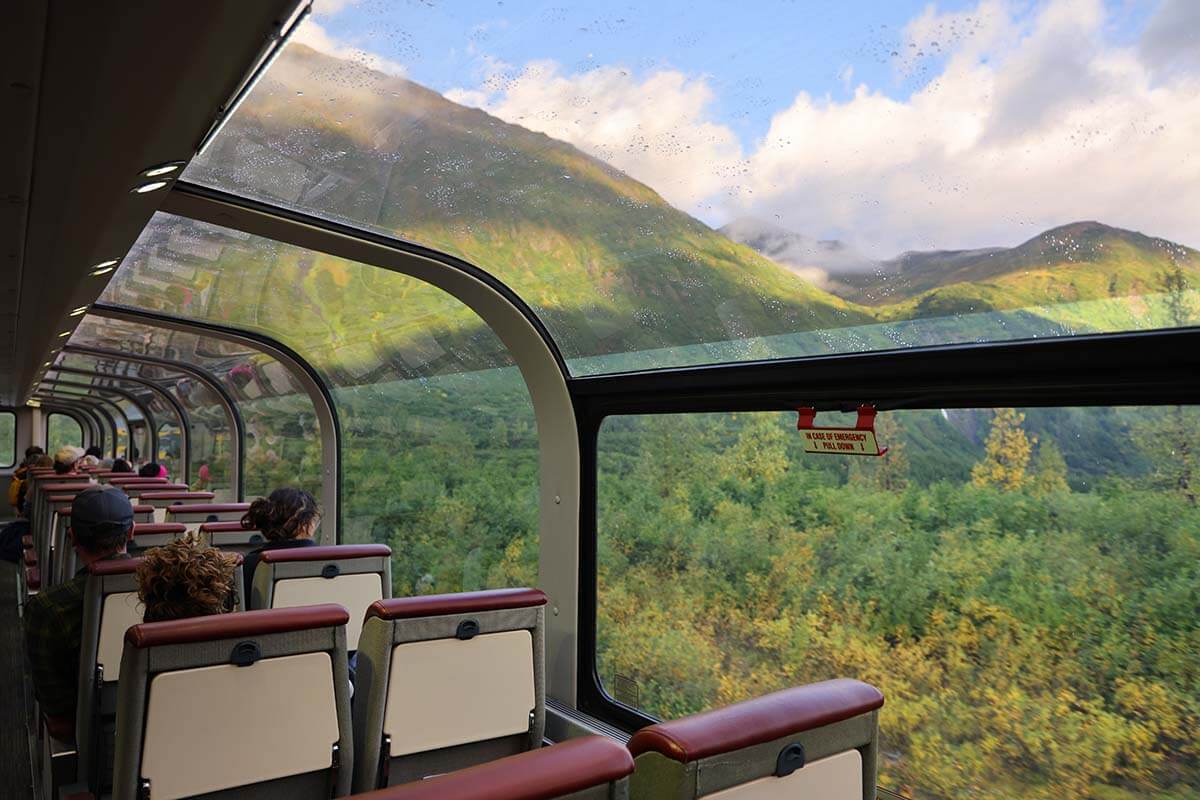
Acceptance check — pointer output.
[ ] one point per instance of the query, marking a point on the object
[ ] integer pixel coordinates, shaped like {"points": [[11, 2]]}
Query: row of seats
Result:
{"points": [[450, 686]]}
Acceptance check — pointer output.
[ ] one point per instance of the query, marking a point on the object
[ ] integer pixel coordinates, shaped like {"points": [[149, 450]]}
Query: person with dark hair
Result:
{"points": [[152, 469], [121, 465], [95, 450], [32, 454], [101, 523], [287, 518], [186, 579]]}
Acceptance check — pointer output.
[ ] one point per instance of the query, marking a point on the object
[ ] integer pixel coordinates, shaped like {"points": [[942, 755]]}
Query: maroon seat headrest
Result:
{"points": [[230, 626], [552, 771], [63, 488], [33, 578], [225, 527], [436, 605], [148, 528], [333, 552], [114, 566], [763, 719], [157, 495], [141, 509], [206, 508], [118, 481], [145, 488], [66, 497]]}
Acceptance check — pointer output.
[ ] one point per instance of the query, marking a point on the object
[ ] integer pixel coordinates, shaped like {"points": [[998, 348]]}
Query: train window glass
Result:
{"points": [[439, 440], [1020, 583], [282, 447], [61, 431], [8, 439], [664, 195]]}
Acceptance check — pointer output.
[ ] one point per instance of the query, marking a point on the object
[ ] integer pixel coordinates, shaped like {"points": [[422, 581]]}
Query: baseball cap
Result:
{"points": [[101, 505], [68, 454]]}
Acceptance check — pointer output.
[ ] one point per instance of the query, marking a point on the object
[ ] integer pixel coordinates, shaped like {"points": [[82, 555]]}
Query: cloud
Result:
{"points": [[657, 129], [313, 34], [1022, 120]]}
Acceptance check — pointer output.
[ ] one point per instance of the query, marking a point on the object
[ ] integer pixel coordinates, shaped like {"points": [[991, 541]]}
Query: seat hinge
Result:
{"points": [[335, 766], [385, 762]]}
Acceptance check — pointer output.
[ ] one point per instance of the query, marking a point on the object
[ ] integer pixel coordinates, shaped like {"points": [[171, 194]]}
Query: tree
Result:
{"points": [[888, 472], [1007, 453], [1049, 469]]}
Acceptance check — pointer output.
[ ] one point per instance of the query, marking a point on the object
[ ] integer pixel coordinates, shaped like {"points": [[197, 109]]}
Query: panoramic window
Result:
{"points": [[8, 439], [1020, 583], [663, 194], [439, 443], [61, 431]]}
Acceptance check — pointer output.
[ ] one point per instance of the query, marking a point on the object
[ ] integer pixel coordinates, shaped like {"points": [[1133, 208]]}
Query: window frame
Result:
{"points": [[1149, 368], [56, 412], [12, 461]]}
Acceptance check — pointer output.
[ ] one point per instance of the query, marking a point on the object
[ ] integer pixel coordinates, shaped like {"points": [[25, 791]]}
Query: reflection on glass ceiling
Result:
{"points": [[677, 184]]}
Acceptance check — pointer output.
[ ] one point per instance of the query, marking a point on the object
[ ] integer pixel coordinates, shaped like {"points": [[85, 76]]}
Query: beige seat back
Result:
{"points": [[195, 515], [351, 575], [588, 768], [252, 704], [234, 537], [153, 534], [816, 741], [448, 681]]}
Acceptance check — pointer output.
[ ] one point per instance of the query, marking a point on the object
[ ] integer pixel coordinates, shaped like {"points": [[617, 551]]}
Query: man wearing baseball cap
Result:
{"points": [[101, 524]]}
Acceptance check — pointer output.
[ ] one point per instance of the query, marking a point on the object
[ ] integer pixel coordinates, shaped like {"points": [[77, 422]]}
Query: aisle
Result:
{"points": [[15, 766]]}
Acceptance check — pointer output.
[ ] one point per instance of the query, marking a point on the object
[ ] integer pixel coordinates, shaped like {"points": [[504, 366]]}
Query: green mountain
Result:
{"points": [[605, 261]]}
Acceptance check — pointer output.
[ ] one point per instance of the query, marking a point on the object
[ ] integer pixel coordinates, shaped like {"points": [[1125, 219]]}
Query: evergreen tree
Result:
{"points": [[889, 472], [1007, 453], [1049, 469]]}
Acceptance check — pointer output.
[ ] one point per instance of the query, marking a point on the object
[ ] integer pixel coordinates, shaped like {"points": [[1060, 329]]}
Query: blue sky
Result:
{"points": [[891, 124]]}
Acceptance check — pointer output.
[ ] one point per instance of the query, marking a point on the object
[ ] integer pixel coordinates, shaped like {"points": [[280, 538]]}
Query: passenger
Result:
{"points": [[288, 518], [121, 465], [18, 477], [87, 461], [96, 451], [106, 463], [66, 458], [101, 523], [186, 579], [152, 469], [11, 548]]}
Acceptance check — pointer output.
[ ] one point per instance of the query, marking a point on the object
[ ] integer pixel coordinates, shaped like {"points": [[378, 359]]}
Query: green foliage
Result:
{"points": [[1033, 641]]}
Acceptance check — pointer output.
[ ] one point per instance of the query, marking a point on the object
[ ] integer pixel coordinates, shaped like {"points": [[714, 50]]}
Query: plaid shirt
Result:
{"points": [[53, 630]]}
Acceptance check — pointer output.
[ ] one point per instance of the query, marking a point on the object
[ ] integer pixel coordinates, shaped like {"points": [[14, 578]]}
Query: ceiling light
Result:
{"points": [[77, 311], [152, 186], [102, 271], [64, 333], [112, 262], [46, 364], [162, 169], [33, 403]]}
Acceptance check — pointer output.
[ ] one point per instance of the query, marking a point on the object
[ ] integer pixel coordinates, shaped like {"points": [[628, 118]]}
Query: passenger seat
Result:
{"points": [[448, 681], [258, 699], [351, 575], [816, 741], [589, 768]]}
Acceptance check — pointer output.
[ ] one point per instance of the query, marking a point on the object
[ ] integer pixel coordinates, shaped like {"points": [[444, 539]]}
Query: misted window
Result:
{"points": [[62, 430], [8, 439], [1020, 583]]}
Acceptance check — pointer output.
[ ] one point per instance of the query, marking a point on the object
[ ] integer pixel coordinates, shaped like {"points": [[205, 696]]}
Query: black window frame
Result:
{"points": [[46, 437], [12, 460], [1150, 368]]}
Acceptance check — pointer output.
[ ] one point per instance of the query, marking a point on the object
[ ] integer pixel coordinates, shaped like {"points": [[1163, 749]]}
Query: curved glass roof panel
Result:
{"points": [[282, 447], [663, 194], [439, 441]]}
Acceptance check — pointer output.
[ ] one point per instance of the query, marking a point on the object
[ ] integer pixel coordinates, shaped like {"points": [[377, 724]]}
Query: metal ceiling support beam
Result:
{"points": [[228, 404], [302, 373], [148, 417], [185, 422], [120, 411], [81, 413], [514, 323]]}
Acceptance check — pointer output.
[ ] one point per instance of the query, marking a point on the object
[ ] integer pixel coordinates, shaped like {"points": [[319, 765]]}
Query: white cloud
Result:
{"points": [[315, 36], [1023, 122], [656, 129]]}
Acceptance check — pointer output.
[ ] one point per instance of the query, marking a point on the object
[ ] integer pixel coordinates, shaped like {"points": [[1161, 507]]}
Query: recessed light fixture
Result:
{"points": [[48, 363], [33, 403], [112, 262], [64, 333], [102, 270], [152, 186], [162, 169], [75, 312]]}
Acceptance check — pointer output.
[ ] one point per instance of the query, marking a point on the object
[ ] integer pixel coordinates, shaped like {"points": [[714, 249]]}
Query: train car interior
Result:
{"points": [[519, 400]]}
